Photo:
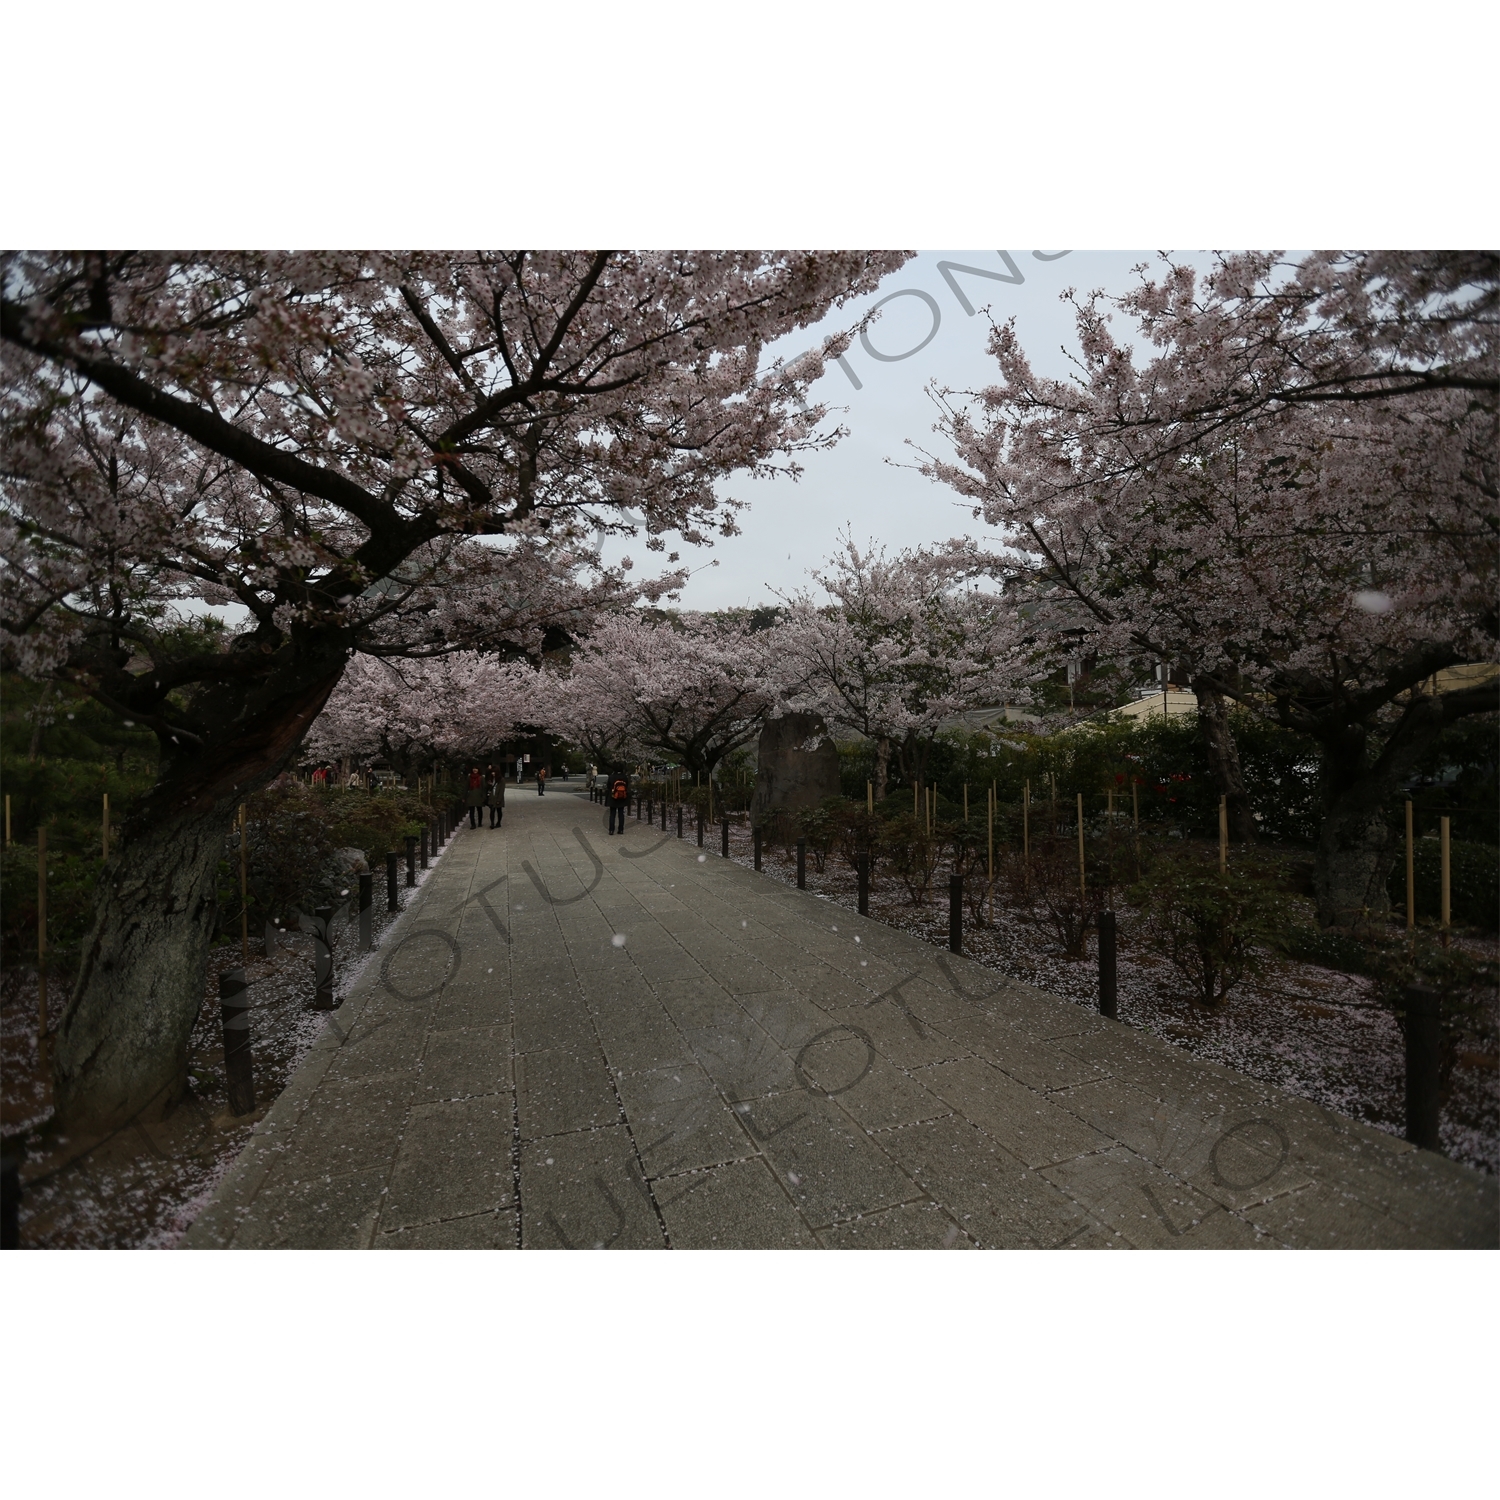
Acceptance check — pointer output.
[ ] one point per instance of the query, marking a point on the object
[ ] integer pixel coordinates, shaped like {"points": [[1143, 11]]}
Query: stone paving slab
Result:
{"points": [[572, 1040]]}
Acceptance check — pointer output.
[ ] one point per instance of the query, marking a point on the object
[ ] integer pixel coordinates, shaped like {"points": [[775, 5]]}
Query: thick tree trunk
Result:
{"points": [[1353, 860], [1224, 761], [121, 1049], [882, 767]]}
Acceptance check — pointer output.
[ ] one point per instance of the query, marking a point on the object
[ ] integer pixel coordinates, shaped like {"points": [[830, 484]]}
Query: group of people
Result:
{"points": [[486, 790]]}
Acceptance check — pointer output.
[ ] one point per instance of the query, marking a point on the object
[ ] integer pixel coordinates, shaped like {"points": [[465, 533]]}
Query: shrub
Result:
{"points": [[1051, 877], [1207, 923]]}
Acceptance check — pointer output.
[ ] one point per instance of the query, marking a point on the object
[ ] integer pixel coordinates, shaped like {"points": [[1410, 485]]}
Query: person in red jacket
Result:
{"points": [[618, 797]]}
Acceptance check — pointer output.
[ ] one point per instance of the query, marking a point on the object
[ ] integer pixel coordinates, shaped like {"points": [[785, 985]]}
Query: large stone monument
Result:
{"points": [[798, 766]]}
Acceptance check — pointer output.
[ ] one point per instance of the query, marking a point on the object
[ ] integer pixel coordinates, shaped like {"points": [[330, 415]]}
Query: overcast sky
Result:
{"points": [[789, 527]]}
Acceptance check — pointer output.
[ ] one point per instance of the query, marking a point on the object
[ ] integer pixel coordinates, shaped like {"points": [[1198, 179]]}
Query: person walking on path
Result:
{"points": [[495, 796], [476, 796], [541, 781], [619, 799]]}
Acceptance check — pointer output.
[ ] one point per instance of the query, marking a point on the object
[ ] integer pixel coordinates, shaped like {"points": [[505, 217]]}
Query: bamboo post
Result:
{"points": [[244, 893], [1447, 883], [1082, 890], [990, 812], [870, 798], [1223, 835], [104, 841], [1026, 835], [1135, 818], [966, 802], [914, 811], [1052, 800], [1109, 831], [41, 937], [7, 820], [1411, 884]]}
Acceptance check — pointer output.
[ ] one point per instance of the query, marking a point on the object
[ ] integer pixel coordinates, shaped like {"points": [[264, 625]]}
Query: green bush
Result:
{"points": [[1207, 923]]}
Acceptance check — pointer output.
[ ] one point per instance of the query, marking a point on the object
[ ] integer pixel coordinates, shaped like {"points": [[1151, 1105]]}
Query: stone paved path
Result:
{"points": [[581, 1041]]}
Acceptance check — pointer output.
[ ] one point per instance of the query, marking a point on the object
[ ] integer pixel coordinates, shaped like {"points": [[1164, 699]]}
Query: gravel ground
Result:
{"points": [[1314, 1032]]}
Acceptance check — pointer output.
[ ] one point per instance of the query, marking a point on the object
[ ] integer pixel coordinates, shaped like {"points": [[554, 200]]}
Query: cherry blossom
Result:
{"points": [[1295, 495]]}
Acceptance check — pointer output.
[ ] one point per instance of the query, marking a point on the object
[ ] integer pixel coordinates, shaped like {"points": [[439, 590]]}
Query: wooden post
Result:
{"points": [[1052, 801], [392, 893], [104, 841], [1223, 835], [1447, 884], [1082, 891], [756, 834], [1411, 883], [955, 914], [41, 938], [1135, 818], [870, 798], [966, 802], [914, 812], [411, 859], [244, 893], [994, 803], [7, 820], [801, 864], [1026, 835]]}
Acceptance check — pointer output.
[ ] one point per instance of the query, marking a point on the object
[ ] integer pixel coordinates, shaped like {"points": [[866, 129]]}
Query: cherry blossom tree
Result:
{"points": [[395, 454], [908, 642], [693, 687], [1296, 495], [417, 712]]}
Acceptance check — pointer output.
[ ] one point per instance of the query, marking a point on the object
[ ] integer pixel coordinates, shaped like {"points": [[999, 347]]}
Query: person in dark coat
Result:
{"points": [[476, 796], [495, 796]]}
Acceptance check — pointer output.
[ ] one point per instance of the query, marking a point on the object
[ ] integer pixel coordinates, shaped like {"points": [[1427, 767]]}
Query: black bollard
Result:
{"points": [[724, 840], [650, 811], [864, 885], [700, 825], [1424, 1050], [424, 848], [392, 895], [411, 860], [10, 1193], [801, 864], [955, 914], [323, 959], [366, 912], [757, 835], [234, 1012], [638, 809], [679, 820], [1108, 990]]}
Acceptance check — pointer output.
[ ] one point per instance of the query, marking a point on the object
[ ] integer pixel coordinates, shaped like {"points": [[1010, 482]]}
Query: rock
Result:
{"points": [[798, 766], [351, 861]]}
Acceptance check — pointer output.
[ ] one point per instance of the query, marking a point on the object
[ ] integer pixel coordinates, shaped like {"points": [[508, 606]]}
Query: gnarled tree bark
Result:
{"points": [[121, 1048]]}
